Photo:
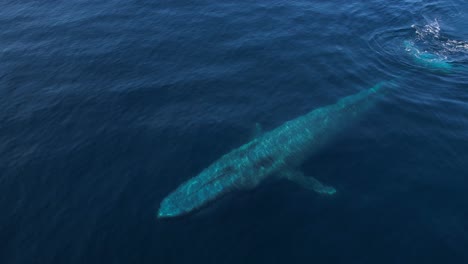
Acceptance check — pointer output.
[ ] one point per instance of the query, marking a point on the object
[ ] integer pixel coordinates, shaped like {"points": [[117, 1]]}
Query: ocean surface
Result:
{"points": [[107, 106]]}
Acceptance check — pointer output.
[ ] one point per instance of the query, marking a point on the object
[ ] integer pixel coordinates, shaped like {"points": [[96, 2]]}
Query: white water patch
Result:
{"points": [[431, 34], [456, 46], [431, 38], [431, 30]]}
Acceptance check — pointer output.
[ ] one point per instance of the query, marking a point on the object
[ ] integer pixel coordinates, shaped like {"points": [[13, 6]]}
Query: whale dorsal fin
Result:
{"points": [[308, 182], [257, 131]]}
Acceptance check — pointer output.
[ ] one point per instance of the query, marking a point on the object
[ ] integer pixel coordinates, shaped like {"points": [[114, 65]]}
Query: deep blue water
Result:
{"points": [[107, 106]]}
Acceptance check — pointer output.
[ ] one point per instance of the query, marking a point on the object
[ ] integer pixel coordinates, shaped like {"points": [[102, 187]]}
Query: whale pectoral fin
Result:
{"points": [[308, 182]]}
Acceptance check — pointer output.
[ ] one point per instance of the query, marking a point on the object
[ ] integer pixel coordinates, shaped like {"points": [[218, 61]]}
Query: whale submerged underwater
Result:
{"points": [[276, 153], [279, 153]]}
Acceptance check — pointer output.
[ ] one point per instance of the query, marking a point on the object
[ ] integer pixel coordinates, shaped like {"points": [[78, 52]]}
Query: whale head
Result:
{"points": [[209, 185], [169, 208]]}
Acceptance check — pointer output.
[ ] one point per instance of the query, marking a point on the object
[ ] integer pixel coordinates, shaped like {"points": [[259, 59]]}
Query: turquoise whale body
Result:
{"points": [[426, 59], [277, 153]]}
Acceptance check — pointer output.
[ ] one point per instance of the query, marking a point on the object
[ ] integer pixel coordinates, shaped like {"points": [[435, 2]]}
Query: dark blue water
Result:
{"points": [[107, 106]]}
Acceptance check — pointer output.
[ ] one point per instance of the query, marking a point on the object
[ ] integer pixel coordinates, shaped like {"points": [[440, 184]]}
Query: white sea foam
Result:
{"points": [[430, 30], [435, 41]]}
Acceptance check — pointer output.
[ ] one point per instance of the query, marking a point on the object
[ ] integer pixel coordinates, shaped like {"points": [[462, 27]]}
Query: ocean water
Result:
{"points": [[107, 106]]}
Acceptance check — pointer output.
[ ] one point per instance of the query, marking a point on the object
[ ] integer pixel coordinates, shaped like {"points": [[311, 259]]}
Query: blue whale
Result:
{"points": [[277, 153]]}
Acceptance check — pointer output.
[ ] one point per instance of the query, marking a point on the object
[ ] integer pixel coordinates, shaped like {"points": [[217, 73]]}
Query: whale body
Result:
{"points": [[277, 153]]}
